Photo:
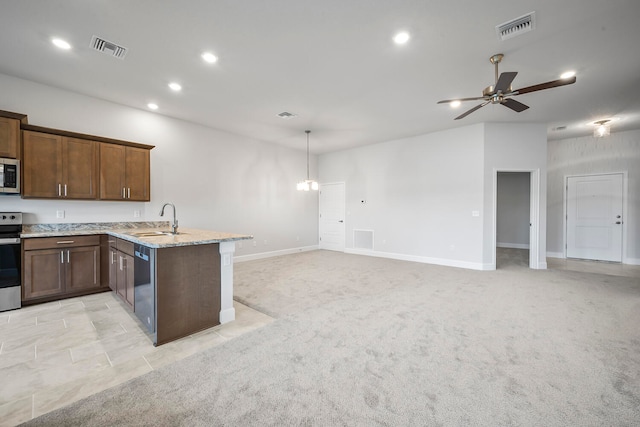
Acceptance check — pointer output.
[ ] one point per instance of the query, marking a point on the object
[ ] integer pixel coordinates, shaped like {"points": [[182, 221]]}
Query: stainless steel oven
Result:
{"points": [[10, 265]]}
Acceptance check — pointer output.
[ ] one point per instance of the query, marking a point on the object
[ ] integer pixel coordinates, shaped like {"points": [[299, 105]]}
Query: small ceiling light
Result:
{"points": [[209, 57], [455, 104], [307, 184], [401, 38], [152, 106], [175, 87], [61, 44], [567, 74], [603, 128]]}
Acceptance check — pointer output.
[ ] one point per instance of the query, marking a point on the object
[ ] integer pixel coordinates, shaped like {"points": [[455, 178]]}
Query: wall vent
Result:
{"points": [[517, 26], [286, 115], [110, 48], [363, 239]]}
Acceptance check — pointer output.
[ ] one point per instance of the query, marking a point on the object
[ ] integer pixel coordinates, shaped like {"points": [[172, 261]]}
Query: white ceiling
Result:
{"points": [[333, 62]]}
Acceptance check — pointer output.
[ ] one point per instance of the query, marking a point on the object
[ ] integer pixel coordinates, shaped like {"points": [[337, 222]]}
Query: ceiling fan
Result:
{"points": [[501, 92]]}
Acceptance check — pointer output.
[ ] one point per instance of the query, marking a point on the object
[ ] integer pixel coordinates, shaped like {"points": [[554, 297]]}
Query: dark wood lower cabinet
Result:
{"points": [[57, 268], [121, 270]]}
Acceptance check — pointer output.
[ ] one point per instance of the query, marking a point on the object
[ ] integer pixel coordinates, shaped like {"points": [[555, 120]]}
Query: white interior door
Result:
{"points": [[594, 217], [332, 213]]}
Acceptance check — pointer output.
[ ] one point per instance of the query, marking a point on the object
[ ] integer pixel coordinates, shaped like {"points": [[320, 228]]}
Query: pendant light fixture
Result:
{"points": [[307, 184]]}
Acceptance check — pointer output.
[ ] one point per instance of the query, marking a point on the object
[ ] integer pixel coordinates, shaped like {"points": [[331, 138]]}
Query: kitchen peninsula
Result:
{"points": [[176, 284]]}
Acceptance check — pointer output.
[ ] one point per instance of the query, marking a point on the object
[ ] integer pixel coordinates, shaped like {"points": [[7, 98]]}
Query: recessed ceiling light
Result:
{"points": [[455, 104], [567, 74], [209, 57], [401, 38], [176, 87], [61, 43], [152, 106]]}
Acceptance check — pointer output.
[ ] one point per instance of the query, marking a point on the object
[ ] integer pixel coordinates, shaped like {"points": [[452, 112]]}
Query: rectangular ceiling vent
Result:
{"points": [[110, 48], [286, 115], [517, 26]]}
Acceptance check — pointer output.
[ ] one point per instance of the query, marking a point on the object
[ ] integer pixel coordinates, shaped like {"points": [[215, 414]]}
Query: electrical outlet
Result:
{"points": [[255, 243], [136, 214], [240, 245], [59, 214]]}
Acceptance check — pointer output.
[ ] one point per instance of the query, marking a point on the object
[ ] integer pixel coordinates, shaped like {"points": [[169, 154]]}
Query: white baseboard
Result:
{"points": [[513, 245], [631, 261], [262, 255], [555, 255], [228, 315], [424, 260]]}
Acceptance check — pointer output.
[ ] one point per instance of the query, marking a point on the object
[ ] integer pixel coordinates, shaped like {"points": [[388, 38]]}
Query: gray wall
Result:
{"points": [[217, 180], [620, 152], [513, 215]]}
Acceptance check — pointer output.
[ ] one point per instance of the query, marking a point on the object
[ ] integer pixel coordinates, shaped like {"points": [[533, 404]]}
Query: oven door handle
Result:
{"points": [[9, 241]]}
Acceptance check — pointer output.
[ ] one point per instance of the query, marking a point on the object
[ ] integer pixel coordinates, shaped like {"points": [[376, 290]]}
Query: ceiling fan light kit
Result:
{"points": [[502, 93]]}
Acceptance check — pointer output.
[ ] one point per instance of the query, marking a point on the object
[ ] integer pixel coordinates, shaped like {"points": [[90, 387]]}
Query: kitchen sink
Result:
{"points": [[154, 233]]}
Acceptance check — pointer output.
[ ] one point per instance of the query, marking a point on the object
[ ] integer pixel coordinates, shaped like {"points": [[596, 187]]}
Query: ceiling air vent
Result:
{"points": [[517, 26], [110, 48], [286, 115]]}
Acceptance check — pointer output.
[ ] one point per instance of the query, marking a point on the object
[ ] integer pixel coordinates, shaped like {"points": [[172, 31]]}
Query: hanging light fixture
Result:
{"points": [[603, 128], [307, 184]]}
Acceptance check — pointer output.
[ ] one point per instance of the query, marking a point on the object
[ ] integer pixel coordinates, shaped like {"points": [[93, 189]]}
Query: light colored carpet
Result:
{"points": [[368, 341]]}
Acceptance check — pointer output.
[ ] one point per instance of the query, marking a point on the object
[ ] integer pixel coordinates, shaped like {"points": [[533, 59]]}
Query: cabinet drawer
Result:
{"points": [[60, 242], [125, 246]]}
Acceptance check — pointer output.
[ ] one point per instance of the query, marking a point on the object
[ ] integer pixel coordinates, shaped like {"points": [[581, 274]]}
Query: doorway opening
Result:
{"points": [[513, 219]]}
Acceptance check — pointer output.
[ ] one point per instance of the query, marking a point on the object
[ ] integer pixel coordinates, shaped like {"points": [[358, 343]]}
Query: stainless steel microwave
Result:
{"points": [[10, 176]]}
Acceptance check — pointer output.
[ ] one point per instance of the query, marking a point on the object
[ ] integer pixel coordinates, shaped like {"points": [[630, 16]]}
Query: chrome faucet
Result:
{"points": [[174, 226]]}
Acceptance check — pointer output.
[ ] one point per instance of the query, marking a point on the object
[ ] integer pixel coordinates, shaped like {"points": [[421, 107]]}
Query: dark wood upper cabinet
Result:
{"points": [[124, 173], [9, 137], [57, 166]]}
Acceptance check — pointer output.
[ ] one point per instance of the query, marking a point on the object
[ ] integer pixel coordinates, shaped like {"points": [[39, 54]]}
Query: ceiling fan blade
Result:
{"points": [[516, 106], [477, 107], [447, 101], [504, 81], [542, 86]]}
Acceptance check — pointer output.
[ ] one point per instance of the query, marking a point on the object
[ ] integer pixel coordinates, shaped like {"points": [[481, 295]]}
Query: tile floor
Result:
{"points": [[56, 353]]}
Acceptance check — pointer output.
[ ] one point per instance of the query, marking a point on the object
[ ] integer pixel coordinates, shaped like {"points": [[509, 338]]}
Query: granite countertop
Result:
{"points": [[132, 231]]}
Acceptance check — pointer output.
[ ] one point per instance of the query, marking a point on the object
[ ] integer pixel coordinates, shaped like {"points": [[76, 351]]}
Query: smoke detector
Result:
{"points": [[110, 48], [517, 26]]}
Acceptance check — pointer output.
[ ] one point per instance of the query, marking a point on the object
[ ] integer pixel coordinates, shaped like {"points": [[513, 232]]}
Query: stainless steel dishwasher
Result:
{"points": [[144, 285]]}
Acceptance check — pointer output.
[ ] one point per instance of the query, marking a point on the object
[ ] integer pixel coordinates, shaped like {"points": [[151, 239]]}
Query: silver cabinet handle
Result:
{"points": [[65, 190], [120, 258], [113, 257], [65, 242], [123, 193], [129, 193], [59, 190], [61, 257], [68, 256]]}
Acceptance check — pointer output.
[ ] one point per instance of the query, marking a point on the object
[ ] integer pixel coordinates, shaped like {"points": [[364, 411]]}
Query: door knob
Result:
{"points": [[340, 221], [618, 222]]}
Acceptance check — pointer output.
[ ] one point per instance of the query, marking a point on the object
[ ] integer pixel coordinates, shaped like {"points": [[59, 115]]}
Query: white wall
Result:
{"points": [[419, 195], [588, 155], [217, 180], [513, 210], [515, 147]]}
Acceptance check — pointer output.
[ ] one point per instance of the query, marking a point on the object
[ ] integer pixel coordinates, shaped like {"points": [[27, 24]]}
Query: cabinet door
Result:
{"points": [[124, 274], [80, 168], [43, 273], [41, 165], [112, 171], [113, 268], [137, 174], [82, 268], [9, 133], [129, 279]]}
